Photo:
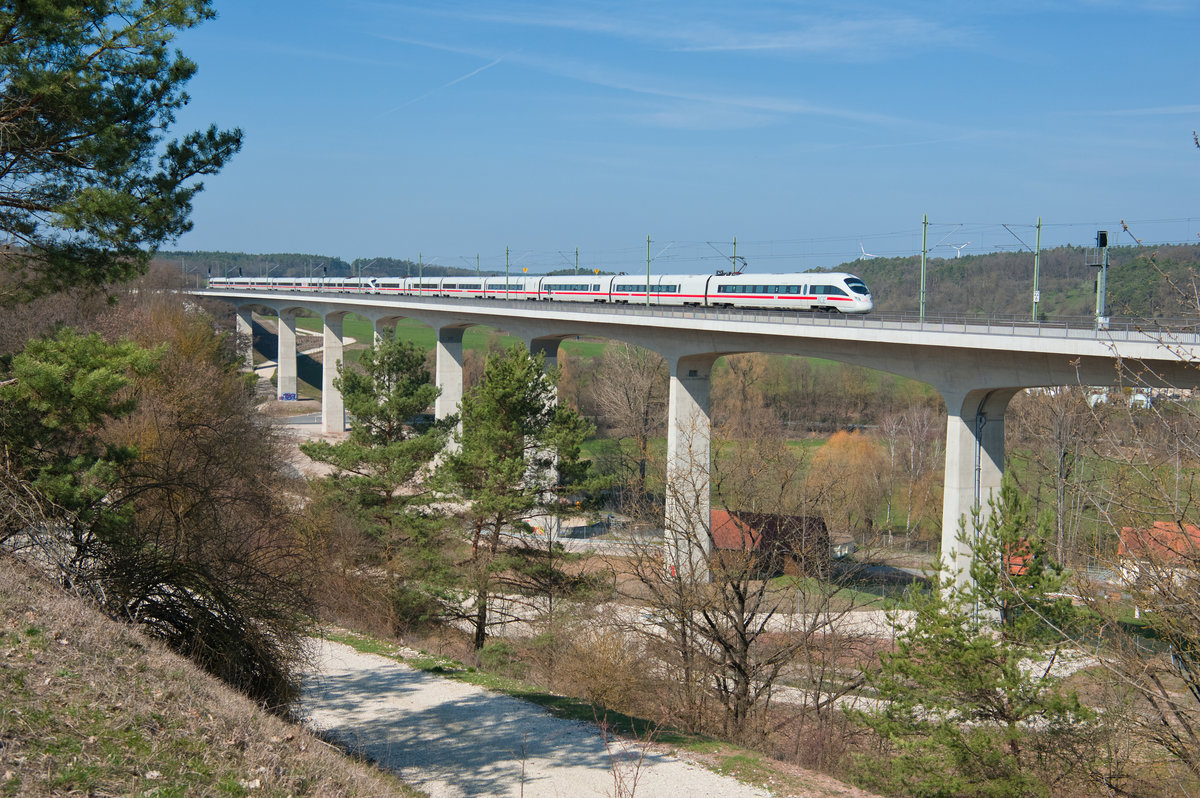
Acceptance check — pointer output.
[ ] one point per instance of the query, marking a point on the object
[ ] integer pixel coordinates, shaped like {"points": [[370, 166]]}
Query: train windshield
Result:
{"points": [[857, 286]]}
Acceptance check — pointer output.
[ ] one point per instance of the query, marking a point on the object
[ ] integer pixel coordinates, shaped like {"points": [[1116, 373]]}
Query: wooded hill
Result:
{"points": [[1143, 282]]}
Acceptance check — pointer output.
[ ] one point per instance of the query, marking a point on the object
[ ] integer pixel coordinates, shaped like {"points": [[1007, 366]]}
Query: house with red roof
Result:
{"points": [[773, 544], [1167, 546]]}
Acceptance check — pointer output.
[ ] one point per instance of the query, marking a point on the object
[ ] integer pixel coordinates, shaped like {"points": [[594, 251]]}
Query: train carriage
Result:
{"points": [[833, 292]]}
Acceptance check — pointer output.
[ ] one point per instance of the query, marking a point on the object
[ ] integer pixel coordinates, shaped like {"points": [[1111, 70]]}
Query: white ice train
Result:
{"points": [[815, 291]]}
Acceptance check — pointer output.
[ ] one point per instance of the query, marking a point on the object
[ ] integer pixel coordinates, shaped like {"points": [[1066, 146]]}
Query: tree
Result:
{"points": [[392, 440], [89, 186], [1145, 500], [630, 392], [1056, 426], [738, 399], [969, 700], [209, 561], [162, 495], [847, 473], [60, 394], [913, 440], [726, 629], [518, 457]]}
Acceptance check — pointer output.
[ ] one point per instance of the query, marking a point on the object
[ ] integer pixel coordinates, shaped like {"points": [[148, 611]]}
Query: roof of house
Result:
{"points": [[751, 531], [1166, 540]]}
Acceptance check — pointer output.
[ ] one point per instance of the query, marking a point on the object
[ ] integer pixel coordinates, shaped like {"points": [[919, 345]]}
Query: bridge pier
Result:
{"points": [[548, 348], [687, 518], [285, 356], [333, 409], [974, 468], [448, 366], [245, 336]]}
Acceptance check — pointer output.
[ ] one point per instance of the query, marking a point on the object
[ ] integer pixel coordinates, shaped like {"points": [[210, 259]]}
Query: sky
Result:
{"points": [[811, 133]]}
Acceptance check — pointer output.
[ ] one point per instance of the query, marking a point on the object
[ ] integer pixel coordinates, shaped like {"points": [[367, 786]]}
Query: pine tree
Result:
{"points": [[89, 185], [969, 700], [518, 457], [392, 441]]}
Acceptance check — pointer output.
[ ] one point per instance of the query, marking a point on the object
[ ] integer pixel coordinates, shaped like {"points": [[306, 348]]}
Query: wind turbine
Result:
{"points": [[958, 248], [864, 254]]}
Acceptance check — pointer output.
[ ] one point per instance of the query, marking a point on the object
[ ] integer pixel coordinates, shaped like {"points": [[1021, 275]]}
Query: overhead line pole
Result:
{"points": [[647, 271], [1037, 259], [924, 251]]}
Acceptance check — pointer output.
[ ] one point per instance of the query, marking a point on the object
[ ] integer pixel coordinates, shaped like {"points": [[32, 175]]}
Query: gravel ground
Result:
{"points": [[454, 740]]}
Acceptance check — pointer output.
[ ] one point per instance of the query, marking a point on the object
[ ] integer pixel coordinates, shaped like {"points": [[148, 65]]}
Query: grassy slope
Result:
{"points": [[90, 706]]}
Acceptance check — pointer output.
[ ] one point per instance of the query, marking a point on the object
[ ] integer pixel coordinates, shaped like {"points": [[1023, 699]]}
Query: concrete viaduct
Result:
{"points": [[977, 367]]}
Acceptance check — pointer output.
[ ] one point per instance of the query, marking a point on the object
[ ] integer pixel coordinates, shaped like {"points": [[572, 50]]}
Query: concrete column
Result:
{"points": [[333, 410], [245, 336], [449, 366], [548, 347], [688, 520], [974, 467], [285, 357]]}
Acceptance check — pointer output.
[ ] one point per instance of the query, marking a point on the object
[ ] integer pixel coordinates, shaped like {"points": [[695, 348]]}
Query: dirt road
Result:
{"points": [[455, 740]]}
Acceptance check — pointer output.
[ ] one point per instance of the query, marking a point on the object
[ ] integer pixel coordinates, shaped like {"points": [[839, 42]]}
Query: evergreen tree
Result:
{"points": [[392, 440], [518, 457], [159, 495], [89, 185], [61, 393], [969, 700]]}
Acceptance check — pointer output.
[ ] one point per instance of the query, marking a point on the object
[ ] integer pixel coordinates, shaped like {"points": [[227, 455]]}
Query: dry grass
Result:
{"points": [[273, 408], [91, 707]]}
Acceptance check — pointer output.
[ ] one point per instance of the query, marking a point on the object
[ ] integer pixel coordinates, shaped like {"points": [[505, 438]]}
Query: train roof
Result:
{"points": [[760, 275]]}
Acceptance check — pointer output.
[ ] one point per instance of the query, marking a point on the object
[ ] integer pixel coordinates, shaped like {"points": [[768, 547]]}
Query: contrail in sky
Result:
{"points": [[459, 79]]}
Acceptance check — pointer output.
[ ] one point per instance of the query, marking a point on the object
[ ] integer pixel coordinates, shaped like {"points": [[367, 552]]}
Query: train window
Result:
{"points": [[638, 289], [595, 287], [857, 286], [668, 289]]}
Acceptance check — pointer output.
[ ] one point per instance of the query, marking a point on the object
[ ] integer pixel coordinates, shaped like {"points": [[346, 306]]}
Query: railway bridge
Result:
{"points": [[976, 366]]}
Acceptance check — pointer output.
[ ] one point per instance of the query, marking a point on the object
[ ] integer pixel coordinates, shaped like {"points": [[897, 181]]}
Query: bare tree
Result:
{"points": [[721, 622], [1055, 426], [630, 391]]}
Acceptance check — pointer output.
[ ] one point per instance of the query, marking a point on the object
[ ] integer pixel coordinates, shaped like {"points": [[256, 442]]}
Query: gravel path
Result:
{"points": [[454, 740]]}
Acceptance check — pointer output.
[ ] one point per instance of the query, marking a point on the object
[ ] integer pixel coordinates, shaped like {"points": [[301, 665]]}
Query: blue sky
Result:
{"points": [[810, 131]]}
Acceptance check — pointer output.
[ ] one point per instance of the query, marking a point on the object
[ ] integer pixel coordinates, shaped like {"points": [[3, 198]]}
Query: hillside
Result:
{"points": [[1143, 282], [89, 706]]}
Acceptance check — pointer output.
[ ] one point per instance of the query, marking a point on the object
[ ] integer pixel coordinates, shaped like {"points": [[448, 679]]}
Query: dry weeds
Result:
{"points": [[89, 706]]}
